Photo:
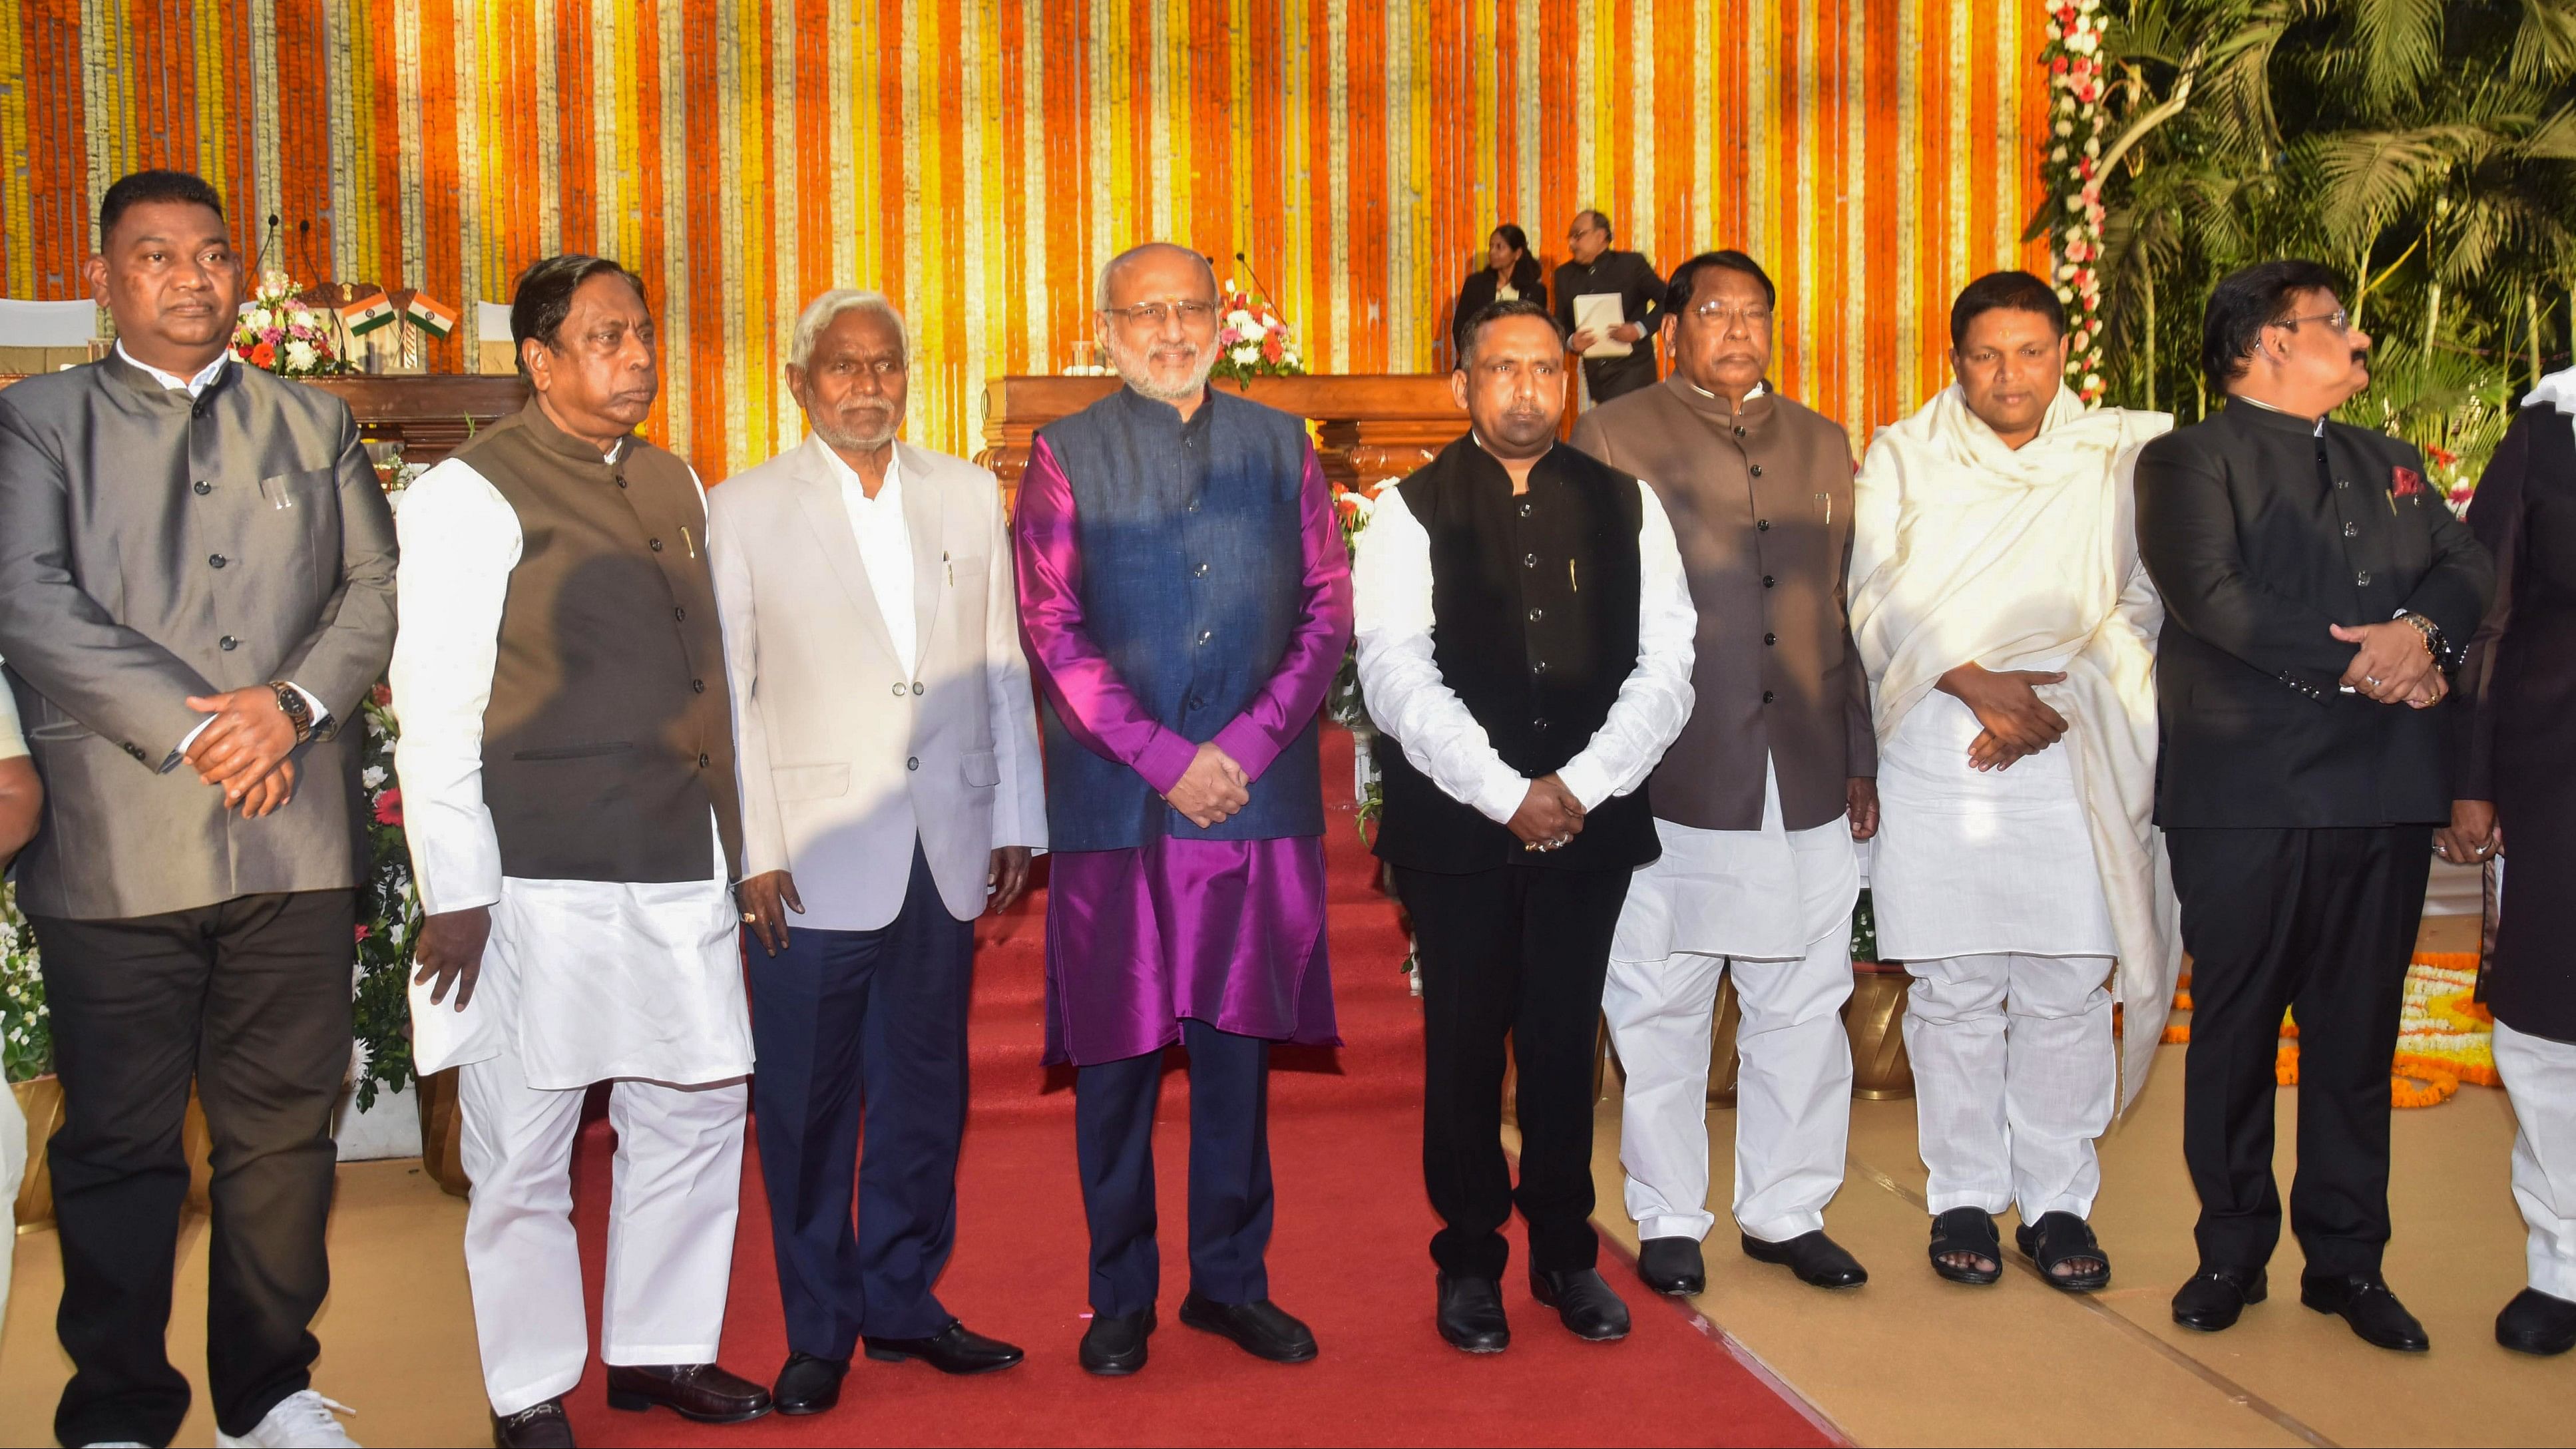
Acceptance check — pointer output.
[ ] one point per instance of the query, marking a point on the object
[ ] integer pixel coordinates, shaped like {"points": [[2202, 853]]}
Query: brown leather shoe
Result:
{"points": [[539, 1426], [700, 1391]]}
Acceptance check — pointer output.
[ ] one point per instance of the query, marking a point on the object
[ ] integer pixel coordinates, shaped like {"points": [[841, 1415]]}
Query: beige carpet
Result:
{"points": [[1911, 1359]]}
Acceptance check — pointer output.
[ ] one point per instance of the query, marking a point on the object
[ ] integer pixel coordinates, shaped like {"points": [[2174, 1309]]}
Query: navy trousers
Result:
{"points": [[1113, 1124], [852, 1028]]}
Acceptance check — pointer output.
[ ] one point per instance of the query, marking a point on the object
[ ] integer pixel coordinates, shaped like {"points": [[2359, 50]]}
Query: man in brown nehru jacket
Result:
{"points": [[1756, 804], [569, 794]]}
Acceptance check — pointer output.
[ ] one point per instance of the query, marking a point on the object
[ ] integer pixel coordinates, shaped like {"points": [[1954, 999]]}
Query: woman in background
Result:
{"points": [[2518, 716], [1509, 273]]}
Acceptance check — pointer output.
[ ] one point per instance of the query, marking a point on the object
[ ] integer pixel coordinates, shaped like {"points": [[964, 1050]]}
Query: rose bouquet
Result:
{"points": [[280, 334], [1253, 341]]}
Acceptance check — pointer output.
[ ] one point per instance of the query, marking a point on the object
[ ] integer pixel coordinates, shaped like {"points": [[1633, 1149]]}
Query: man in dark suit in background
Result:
{"points": [[2316, 592], [196, 593], [1592, 266]]}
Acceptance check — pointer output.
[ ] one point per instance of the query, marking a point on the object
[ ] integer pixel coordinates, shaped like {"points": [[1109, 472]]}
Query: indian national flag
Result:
{"points": [[430, 315], [366, 314]]}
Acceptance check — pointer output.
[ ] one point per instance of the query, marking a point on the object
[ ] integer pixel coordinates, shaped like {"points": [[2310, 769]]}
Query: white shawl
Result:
{"points": [[1966, 550]]}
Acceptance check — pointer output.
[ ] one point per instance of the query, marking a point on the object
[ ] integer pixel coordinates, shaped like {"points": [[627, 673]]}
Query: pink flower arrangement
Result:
{"points": [[1253, 341], [279, 334]]}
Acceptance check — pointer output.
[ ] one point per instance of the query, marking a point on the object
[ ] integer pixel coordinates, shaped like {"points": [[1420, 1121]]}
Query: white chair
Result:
{"points": [[493, 352], [42, 336]]}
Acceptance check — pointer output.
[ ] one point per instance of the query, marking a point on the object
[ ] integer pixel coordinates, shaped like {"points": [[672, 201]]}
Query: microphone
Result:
{"points": [[304, 248], [1248, 271], [267, 239]]}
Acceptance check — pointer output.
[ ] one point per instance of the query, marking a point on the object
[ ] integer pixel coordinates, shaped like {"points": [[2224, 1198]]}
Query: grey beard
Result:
{"points": [[855, 442], [1133, 371]]}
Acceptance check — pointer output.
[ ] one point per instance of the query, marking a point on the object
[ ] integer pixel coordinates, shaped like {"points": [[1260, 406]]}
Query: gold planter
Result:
{"points": [[1875, 1017], [1723, 1059], [442, 1131], [41, 1101]]}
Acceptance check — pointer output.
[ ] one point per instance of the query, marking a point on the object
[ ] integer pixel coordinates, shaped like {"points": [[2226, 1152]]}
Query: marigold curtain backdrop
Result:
{"points": [[979, 160]]}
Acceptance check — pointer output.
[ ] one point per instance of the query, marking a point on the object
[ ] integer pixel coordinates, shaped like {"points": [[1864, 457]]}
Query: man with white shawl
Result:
{"points": [[2000, 609]]}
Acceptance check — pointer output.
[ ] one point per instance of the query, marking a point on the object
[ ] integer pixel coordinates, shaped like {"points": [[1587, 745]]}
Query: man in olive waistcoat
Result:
{"points": [[196, 594], [1756, 804], [569, 795]]}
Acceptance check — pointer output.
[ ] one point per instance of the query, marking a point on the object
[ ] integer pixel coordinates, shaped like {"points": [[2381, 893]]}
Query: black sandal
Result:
{"points": [[1972, 1231], [2059, 1238]]}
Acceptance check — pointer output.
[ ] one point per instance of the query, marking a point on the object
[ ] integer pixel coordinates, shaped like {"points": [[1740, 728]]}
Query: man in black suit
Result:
{"points": [[2317, 592]]}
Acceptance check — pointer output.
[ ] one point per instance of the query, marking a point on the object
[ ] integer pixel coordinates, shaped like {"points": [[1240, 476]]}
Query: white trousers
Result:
{"points": [[2015, 1074], [2540, 1077], [670, 1226], [1792, 1095]]}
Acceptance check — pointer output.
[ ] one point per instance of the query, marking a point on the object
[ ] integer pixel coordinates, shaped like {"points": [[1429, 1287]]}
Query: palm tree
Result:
{"points": [[2425, 147]]}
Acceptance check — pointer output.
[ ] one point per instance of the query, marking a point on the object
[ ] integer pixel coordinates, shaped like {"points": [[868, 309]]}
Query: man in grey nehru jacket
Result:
{"points": [[196, 593]]}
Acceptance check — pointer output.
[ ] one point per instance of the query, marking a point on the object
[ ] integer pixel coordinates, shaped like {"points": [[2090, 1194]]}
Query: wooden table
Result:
{"points": [[431, 414], [1370, 427]]}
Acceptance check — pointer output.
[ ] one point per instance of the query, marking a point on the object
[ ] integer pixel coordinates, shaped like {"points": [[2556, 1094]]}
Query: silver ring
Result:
{"points": [[2371, 679]]}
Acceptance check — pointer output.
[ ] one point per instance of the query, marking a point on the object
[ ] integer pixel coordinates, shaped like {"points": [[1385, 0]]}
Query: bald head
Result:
{"points": [[1121, 280]]}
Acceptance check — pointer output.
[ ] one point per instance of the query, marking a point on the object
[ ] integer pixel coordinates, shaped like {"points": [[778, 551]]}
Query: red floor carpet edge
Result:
{"points": [[1349, 1255]]}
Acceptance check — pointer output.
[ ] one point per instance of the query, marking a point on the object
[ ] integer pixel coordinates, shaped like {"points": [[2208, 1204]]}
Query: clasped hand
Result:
{"points": [[1549, 815], [243, 752], [2017, 721], [1212, 790], [2393, 665]]}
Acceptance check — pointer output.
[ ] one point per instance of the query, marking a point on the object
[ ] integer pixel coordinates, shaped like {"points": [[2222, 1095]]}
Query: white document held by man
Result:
{"points": [[1597, 313]]}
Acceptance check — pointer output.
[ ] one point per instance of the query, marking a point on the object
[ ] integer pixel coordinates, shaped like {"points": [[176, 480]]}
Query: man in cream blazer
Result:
{"points": [[891, 793]]}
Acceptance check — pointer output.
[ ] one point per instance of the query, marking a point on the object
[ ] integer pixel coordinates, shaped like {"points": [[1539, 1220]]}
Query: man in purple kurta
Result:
{"points": [[1185, 599]]}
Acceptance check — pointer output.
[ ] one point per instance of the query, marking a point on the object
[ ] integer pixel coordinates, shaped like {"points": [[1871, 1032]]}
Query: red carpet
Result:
{"points": [[1349, 1255]]}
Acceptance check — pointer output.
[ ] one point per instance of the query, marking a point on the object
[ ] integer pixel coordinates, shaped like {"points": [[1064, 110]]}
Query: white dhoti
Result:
{"points": [[2540, 1076], [588, 981], [1774, 907], [1984, 884]]}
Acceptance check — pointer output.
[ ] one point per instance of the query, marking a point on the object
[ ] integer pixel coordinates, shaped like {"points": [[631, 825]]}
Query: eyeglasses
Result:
{"points": [[1720, 312], [2337, 320], [1155, 314]]}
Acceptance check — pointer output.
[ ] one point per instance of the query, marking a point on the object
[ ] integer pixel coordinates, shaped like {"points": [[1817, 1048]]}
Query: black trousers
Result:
{"points": [[250, 998], [2320, 923], [863, 1028], [1518, 952], [1230, 1200]]}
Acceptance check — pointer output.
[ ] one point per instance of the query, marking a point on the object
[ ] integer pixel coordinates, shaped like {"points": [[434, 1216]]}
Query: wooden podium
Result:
{"points": [[430, 414], [1369, 427]]}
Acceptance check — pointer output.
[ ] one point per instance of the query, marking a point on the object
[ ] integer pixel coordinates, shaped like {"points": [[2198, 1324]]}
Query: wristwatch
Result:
{"points": [[2434, 644], [290, 702]]}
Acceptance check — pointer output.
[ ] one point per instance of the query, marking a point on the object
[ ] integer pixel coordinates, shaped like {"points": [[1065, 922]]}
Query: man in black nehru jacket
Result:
{"points": [[1525, 645], [2317, 592]]}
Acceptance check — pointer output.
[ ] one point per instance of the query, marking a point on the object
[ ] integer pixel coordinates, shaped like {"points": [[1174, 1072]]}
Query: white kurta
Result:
{"points": [[1973, 864], [612, 979]]}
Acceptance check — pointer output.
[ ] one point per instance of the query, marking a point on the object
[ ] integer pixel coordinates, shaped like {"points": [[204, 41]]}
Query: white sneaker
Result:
{"points": [[302, 1420]]}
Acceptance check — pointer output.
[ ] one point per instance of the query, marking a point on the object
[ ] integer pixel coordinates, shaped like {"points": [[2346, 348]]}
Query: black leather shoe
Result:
{"points": [[1583, 1303], [952, 1350], [809, 1384], [2536, 1322], [1471, 1315], [539, 1426], [1262, 1328], [1114, 1345], [2377, 1318], [704, 1392], [1672, 1266], [2215, 1296], [1815, 1258]]}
